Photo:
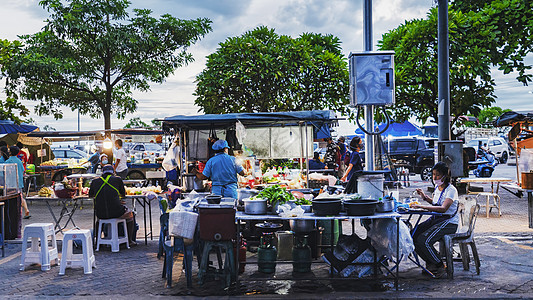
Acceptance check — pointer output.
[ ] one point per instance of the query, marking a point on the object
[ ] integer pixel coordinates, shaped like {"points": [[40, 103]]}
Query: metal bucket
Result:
{"points": [[370, 186]]}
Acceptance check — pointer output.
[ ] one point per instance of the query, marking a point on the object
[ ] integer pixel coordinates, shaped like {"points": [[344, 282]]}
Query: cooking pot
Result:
{"points": [[360, 207], [192, 182], [255, 207], [246, 193], [213, 199], [327, 206], [302, 225], [385, 205]]}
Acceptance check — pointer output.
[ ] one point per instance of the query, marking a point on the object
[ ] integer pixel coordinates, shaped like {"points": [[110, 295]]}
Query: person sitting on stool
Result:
{"points": [[107, 191]]}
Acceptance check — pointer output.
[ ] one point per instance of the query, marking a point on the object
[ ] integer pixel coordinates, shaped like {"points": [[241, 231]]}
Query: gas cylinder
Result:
{"points": [[267, 254], [241, 254], [301, 256]]}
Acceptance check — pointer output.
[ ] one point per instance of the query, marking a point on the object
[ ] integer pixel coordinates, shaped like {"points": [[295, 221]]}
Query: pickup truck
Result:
{"points": [[412, 153]]}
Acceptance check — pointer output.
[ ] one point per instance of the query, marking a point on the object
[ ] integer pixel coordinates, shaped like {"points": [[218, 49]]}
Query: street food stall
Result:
{"points": [[253, 137], [521, 139]]}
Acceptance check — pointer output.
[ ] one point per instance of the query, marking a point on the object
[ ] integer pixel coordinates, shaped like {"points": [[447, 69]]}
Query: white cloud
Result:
{"points": [[342, 18]]}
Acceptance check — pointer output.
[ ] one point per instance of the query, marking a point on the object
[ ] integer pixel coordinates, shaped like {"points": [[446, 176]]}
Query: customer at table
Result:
{"points": [[222, 169], [445, 201], [107, 191], [121, 166], [315, 163], [13, 159]]}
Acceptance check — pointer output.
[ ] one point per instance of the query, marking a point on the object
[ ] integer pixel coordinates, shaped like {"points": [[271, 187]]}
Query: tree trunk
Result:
{"points": [[107, 118]]}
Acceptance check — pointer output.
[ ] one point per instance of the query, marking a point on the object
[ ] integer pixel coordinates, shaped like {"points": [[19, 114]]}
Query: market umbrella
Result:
{"points": [[8, 126], [398, 129]]}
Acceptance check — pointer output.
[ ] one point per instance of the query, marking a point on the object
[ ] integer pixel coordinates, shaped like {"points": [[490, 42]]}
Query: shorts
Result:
{"points": [[122, 174]]}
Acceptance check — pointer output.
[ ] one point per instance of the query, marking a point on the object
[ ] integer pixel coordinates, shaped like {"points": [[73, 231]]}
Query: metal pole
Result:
{"points": [[444, 73], [369, 110]]}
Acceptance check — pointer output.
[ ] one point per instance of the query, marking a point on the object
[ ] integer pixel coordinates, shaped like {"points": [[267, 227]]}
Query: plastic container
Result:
{"points": [[182, 223], [217, 224], [370, 186]]}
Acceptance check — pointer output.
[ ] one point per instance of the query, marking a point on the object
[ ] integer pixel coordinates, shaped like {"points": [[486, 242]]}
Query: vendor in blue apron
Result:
{"points": [[445, 200], [222, 170]]}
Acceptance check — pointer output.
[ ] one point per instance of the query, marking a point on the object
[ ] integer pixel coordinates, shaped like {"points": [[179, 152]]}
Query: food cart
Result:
{"points": [[265, 135]]}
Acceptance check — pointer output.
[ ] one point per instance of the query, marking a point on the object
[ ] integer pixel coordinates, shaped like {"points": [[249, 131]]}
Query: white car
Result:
{"points": [[147, 149], [496, 145]]}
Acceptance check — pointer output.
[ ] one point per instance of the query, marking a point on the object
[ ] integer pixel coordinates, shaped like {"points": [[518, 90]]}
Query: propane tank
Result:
{"points": [[301, 256]]}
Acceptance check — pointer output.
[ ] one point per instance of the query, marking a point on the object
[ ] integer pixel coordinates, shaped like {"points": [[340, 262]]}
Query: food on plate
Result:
{"points": [[131, 191], [411, 204]]}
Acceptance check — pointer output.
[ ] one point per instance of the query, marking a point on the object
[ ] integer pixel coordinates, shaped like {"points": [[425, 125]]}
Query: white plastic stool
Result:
{"points": [[114, 240], [44, 255], [85, 260], [495, 197]]}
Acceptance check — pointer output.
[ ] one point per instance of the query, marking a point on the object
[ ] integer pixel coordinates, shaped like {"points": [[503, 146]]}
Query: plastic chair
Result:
{"points": [[170, 246], [495, 200], [464, 237], [43, 256], [69, 259], [115, 240]]}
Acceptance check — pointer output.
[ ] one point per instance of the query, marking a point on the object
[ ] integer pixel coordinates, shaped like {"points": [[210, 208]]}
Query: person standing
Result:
{"points": [[121, 166], [341, 142], [356, 163], [13, 159], [94, 159], [23, 154], [332, 151], [445, 200], [107, 192], [222, 169]]}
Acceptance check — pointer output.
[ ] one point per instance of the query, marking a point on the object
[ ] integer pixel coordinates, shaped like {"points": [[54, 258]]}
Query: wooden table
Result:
{"points": [[491, 180]]}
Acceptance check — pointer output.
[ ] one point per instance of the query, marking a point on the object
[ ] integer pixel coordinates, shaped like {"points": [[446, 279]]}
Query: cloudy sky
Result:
{"points": [[343, 18]]}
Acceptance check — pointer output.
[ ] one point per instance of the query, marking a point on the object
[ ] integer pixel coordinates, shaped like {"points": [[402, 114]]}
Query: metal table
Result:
{"points": [[144, 202], [65, 212], [240, 216]]}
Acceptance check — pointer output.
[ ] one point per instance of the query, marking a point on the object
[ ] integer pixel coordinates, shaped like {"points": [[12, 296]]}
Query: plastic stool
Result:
{"points": [[115, 240], [85, 260], [229, 272], [488, 206], [44, 255]]}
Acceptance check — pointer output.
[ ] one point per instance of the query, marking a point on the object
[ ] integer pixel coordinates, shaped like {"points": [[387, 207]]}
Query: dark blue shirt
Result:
{"points": [[316, 165], [357, 163]]}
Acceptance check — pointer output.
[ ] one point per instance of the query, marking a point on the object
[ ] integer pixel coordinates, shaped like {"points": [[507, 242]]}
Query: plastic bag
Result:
{"points": [[182, 223], [383, 235], [170, 162], [285, 211], [240, 132]]}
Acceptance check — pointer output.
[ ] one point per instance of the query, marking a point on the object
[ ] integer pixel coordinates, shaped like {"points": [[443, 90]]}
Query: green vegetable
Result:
{"points": [[276, 195], [303, 201]]}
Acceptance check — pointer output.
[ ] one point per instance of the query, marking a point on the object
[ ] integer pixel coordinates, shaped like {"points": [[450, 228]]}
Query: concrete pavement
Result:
{"points": [[505, 245]]}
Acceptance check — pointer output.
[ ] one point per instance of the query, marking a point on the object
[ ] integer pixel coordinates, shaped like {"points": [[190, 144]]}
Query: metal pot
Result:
{"points": [[302, 225], [246, 193], [385, 205], [255, 207], [192, 182]]}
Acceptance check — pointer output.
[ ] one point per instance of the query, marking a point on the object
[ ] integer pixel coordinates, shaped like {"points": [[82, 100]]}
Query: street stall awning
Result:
{"points": [[208, 121], [8, 126]]}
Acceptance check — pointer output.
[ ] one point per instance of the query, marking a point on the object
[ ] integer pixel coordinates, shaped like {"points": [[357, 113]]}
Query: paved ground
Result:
{"points": [[505, 245]]}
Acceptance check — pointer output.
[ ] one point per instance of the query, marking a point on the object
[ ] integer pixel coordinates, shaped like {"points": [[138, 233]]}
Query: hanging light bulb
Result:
{"points": [[107, 143]]}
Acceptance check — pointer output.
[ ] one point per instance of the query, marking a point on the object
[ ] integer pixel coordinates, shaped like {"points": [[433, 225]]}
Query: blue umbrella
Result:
{"points": [[398, 129], [8, 126]]}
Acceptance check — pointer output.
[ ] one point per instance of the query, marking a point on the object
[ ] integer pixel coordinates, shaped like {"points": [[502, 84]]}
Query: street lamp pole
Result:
{"points": [[444, 73], [369, 109]]}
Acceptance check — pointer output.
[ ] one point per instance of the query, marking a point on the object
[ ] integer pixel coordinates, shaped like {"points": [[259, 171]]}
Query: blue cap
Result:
{"points": [[220, 144], [108, 169]]}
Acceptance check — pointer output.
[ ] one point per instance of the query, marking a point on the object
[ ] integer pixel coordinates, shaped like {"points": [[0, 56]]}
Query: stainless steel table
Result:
{"points": [[240, 216], [144, 202]]}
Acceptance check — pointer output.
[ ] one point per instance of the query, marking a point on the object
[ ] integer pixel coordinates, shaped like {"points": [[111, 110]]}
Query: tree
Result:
{"points": [[510, 27], [415, 45], [136, 123], [10, 107], [262, 71], [489, 114], [91, 55]]}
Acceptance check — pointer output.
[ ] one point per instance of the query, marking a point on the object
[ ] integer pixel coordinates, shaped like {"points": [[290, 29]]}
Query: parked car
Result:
{"points": [[147, 149], [68, 153], [496, 145], [412, 153]]}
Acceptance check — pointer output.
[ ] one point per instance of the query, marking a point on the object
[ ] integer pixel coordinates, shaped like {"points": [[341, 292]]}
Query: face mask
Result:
{"points": [[439, 182], [362, 146], [105, 161]]}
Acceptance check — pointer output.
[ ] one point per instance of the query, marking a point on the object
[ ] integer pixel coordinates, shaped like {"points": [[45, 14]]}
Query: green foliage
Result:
{"points": [[136, 123], [10, 107], [487, 115], [92, 54], [262, 71], [415, 44]]}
